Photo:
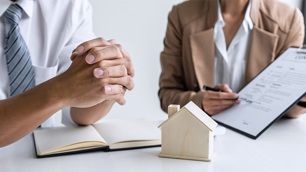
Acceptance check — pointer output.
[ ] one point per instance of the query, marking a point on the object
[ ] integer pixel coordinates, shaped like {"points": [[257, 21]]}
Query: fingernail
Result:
{"points": [[90, 58], [80, 49], [99, 72], [74, 52], [108, 89]]}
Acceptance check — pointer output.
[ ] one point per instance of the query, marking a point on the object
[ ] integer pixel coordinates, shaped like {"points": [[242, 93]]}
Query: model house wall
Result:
{"points": [[185, 136]]}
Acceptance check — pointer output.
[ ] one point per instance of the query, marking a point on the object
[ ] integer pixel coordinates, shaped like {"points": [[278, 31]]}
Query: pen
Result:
{"points": [[211, 89], [218, 90], [245, 99]]}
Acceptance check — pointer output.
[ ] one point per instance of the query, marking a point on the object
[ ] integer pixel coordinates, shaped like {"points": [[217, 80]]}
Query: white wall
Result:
{"points": [[139, 25]]}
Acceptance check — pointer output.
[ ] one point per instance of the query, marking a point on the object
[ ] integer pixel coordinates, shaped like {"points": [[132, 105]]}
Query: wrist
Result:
{"points": [[90, 115], [56, 92]]}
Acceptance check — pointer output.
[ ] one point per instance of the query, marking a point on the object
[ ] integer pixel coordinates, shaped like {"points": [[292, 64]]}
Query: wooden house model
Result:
{"points": [[187, 133]]}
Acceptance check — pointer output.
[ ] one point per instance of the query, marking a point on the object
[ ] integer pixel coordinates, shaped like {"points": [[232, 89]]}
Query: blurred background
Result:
{"points": [[139, 25]]}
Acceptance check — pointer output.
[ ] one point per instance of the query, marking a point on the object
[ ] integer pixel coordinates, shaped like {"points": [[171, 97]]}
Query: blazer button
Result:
{"points": [[196, 87]]}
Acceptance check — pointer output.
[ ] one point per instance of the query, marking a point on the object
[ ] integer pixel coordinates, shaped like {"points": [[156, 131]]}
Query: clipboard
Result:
{"points": [[269, 95]]}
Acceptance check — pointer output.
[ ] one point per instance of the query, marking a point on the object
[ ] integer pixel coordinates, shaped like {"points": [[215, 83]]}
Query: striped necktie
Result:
{"points": [[18, 59]]}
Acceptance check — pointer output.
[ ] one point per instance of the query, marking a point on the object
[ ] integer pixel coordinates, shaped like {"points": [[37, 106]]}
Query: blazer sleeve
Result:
{"points": [[172, 87]]}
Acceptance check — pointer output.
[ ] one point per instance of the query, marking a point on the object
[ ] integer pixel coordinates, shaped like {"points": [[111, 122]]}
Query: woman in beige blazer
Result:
{"points": [[188, 58]]}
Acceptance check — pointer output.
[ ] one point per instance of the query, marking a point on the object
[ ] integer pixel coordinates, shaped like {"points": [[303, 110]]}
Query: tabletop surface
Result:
{"points": [[281, 148]]}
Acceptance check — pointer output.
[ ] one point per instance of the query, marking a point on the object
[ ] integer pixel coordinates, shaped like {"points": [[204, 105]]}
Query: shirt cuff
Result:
{"points": [[66, 118]]}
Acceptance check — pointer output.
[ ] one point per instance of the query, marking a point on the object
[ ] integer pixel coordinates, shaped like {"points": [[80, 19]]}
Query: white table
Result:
{"points": [[281, 148]]}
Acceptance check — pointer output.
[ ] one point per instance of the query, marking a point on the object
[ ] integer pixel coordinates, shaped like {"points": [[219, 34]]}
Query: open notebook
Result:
{"points": [[107, 135]]}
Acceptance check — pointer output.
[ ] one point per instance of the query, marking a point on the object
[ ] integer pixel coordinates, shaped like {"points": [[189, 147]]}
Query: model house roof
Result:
{"points": [[196, 112]]}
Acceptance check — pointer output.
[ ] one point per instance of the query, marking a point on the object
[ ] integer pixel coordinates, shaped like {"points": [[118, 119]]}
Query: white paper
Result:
{"points": [[271, 92], [48, 139], [114, 131]]}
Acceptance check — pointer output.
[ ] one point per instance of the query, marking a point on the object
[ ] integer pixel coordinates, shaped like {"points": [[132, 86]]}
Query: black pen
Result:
{"points": [[218, 90], [211, 89]]}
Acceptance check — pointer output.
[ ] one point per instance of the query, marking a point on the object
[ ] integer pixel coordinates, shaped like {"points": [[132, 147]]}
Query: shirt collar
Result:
{"points": [[26, 5], [220, 22], [247, 18]]}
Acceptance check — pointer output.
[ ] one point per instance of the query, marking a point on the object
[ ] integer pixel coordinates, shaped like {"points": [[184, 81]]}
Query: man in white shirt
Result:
{"points": [[100, 73]]}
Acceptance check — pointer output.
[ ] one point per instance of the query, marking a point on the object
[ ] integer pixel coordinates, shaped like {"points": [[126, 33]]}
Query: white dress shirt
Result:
{"points": [[230, 63], [51, 30]]}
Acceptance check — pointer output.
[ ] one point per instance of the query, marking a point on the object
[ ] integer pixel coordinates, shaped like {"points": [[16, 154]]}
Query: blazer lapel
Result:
{"points": [[262, 44], [202, 44], [202, 50], [261, 49], [261, 52]]}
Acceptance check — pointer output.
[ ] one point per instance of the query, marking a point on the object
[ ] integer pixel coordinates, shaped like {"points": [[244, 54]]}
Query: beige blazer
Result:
{"points": [[187, 60]]}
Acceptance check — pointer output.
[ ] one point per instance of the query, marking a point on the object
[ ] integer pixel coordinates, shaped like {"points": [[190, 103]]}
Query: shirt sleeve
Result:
{"points": [[83, 31]]}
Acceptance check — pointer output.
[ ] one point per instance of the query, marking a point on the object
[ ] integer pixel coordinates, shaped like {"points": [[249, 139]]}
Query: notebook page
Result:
{"points": [[114, 131], [48, 139]]}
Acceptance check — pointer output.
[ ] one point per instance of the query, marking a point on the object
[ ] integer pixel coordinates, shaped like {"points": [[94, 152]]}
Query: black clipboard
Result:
{"points": [[300, 52]]}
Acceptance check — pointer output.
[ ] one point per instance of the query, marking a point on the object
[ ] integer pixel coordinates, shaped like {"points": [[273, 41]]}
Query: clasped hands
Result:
{"points": [[101, 70]]}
